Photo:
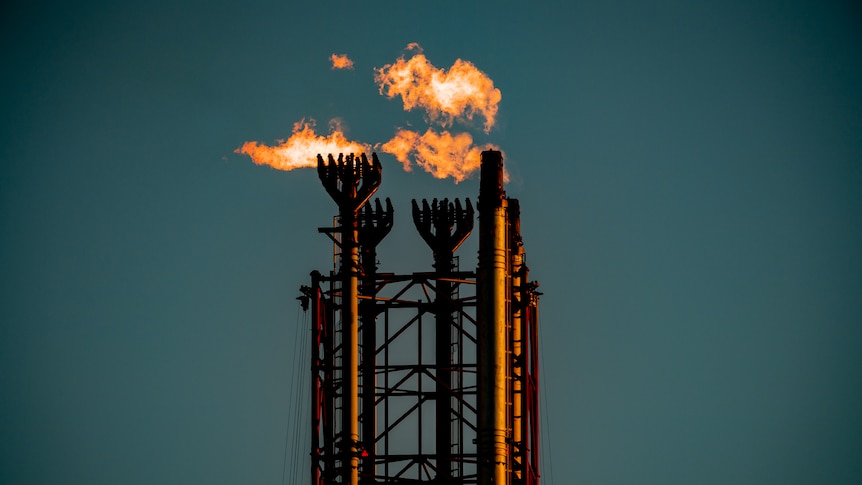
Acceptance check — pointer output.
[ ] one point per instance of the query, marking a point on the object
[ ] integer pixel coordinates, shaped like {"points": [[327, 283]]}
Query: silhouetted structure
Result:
{"points": [[429, 377]]}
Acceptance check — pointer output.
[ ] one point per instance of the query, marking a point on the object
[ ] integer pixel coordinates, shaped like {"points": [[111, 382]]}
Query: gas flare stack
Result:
{"points": [[429, 377]]}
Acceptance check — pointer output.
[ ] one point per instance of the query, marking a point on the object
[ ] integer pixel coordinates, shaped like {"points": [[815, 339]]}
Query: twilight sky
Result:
{"points": [[689, 178]]}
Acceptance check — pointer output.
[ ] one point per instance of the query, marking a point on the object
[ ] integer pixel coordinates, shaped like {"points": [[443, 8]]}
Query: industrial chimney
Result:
{"points": [[493, 286], [428, 377]]}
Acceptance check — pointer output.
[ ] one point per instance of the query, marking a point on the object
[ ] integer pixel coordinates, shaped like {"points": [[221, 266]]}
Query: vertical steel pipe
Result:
{"points": [[316, 334], [444, 226], [519, 374], [349, 274], [493, 363], [350, 181], [374, 224]]}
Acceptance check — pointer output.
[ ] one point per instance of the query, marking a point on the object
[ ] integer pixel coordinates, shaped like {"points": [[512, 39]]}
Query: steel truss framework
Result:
{"points": [[402, 380], [416, 404]]}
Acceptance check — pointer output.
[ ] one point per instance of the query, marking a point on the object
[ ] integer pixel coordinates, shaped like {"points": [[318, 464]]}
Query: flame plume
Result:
{"points": [[448, 96], [341, 61], [442, 155], [302, 148], [460, 93]]}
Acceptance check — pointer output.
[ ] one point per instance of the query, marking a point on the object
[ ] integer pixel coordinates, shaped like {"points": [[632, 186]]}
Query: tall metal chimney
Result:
{"points": [[492, 290]]}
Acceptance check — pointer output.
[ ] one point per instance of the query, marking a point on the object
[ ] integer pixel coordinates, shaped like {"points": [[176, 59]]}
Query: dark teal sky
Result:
{"points": [[689, 178]]}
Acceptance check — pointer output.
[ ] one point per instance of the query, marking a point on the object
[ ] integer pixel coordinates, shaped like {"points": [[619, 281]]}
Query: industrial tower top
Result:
{"points": [[428, 377]]}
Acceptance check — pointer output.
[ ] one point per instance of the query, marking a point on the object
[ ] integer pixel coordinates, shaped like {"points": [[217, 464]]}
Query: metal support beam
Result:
{"points": [[350, 181], [444, 226], [374, 224]]}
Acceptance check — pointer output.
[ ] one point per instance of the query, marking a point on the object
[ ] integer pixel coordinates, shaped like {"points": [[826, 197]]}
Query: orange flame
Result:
{"points": [[302, 148], [460, 93], [341, 61], [443, 155]]}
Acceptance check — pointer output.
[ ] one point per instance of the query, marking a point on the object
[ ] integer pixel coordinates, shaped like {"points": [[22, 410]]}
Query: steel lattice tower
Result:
{"points": [[428, 377]]}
